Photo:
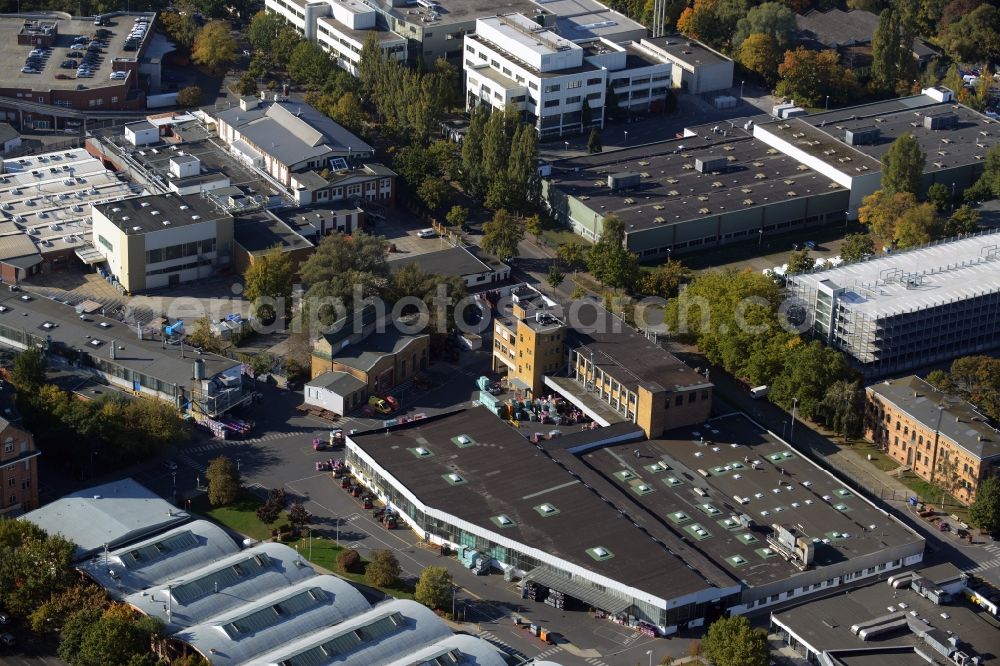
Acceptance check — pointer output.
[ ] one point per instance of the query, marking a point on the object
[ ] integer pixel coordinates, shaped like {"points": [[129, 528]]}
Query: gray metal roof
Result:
{"points": [[452, 261], [275, 619], [464, 649], [16, 245], [292, 133], [385, 633], [364, 355], [341, 383], [222, 585], [140, 126], [112, 514], [7, 132], [159, 558]]}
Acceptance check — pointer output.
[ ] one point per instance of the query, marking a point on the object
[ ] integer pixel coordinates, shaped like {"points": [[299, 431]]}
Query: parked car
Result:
{"points": [[119, 76], [69, 64], [810, 245], [75, 54], [29, 70], [379, 405], [426, 233]]}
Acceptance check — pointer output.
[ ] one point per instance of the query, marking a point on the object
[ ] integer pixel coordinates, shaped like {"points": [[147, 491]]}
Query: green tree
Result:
{"points": [[435, 192], [338, 255], [975, 37], [887, 51], [917, 226], [939, 195], [760, 54], [977, 379], [269, 280], [383, 570], [202, 337], [434, 588], [182, 30], [33, 566], [984, 512], [223, 481], [502, 234], [902, 166], [214, 46], [309, 64], [457, 216], [347, 111], [52, 615], [29, 369], [773, 19], [473, 176], [594, 142], [609, 260], [586, 113], [113, 640], [809, 77], [857, 247], [731, 641], [247, 85], [298, 516], [842, 407], [263, 30], [73, 632], [800, 262], [965, 220], [988, 185], [573, 255], [809, 370], [881, 212], [555, 276], [665, 280], [189, 96]]}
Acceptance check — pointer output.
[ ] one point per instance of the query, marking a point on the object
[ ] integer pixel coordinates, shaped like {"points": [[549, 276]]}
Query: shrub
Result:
{"points": [[348, 561]]}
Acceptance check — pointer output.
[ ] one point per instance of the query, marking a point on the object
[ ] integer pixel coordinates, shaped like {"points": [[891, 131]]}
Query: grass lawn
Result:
{"points": [[931, 494], [553, 238], [241, 517], [879, 459]]}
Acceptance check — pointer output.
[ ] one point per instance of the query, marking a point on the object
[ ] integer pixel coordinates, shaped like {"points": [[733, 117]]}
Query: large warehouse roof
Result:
{"points": [[916, 280], [222, 585], [108, 515], [388, 632], [160, 558], [469, 466], [285, 615]]}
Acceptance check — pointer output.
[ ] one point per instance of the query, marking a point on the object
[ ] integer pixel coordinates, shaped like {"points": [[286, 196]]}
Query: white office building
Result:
{"points": [[339, 27], [559, 85]]}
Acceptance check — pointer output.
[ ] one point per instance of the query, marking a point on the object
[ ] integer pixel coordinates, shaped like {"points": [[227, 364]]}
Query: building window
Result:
{"points": [[679, 400], [470, 49], [13, 499], [8, 446], [575, 99], [555, 87], [551, 103], [574, 84], [594, 82]]}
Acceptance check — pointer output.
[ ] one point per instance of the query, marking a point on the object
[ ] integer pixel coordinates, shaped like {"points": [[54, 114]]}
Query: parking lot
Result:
{"points": [[401, 230]]}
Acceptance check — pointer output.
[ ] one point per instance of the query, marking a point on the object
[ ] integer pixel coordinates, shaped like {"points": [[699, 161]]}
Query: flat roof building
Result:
{"points": [[722, 515], [107, 516], [205, 385], [44, 99], [908, 309], [456, 262], [942, 438], [697, 68], [922, 621], [553, 81], [162, 240]]}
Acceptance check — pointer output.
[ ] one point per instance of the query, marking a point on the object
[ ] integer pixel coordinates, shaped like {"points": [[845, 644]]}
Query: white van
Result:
{"points": [[759, 391]]}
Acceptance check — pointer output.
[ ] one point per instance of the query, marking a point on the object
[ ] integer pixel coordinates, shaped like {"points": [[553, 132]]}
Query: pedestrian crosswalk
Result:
{"points": [[506, 647], [595, 661], [548, 653], [988, 564], [218, 444], [185, 459]]}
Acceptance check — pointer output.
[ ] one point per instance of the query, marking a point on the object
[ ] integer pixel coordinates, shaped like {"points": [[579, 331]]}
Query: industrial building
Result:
{"points": [[478, 272], [107, 516], [918, 617], [942, 438], [697, 68], [162, 240], [721, 516], [429, 29], [45, 209], [752, 180], [559, 85], [46, 98], [908, 309], [282, 138], [131, 358], [234, 605]]}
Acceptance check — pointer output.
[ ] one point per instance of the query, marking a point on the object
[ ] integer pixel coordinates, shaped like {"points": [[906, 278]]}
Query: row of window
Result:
{"points": [[180, 251]]}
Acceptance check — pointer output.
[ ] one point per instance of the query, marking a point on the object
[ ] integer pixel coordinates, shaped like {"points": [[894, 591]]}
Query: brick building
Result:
{"points": [[942, 438], [18, 459]]}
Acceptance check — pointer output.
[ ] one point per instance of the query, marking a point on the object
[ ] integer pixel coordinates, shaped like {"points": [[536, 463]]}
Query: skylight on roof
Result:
{"points": [[600, 553], [503, 520], [453, 478], [546, 509]]}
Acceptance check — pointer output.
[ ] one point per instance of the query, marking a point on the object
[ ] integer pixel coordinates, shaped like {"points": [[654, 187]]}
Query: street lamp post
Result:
{"points": [[791, 431], [649, 653], [237, 465], [626, 137], [741, 90], [453, 603], [827, 106], [337, 522], [566, 143], [173, 476], [784, 428], [760, 237], [310, 544]]}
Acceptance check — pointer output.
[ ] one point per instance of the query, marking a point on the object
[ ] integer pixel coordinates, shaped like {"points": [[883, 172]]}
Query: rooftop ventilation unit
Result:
{"points": [[862, 136], [940, 121]]}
